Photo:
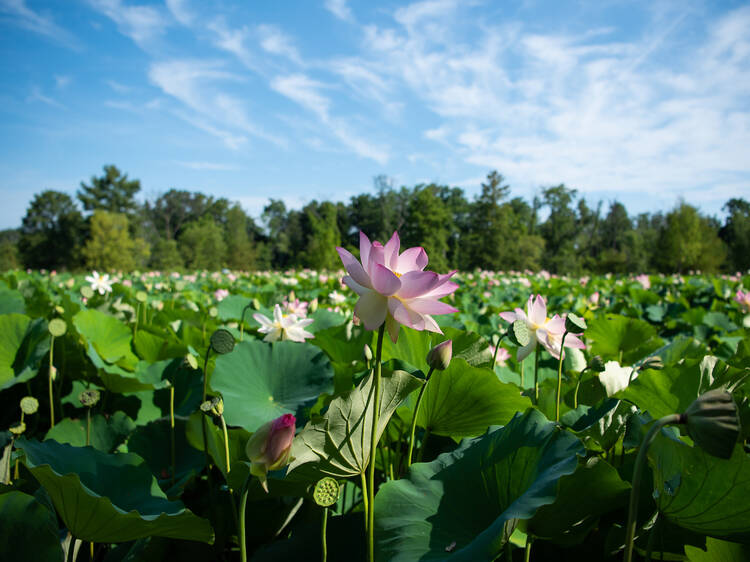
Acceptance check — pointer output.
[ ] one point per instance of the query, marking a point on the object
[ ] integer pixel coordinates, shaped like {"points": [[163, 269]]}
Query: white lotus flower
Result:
{"points": [[100, 282], [616, 377], [283, 326], [336, 298]]}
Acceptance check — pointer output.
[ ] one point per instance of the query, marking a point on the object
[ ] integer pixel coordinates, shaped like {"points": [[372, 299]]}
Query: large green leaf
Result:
{"points": [[465, 504], [106, 433], [463, 401], [338, 443], [29, 530], [108, 498], [12, 331], [11, 302], [718, 551], [669, 391], [412, 347], [700, 492], [261, 381], [613, 335], [107, 334]]}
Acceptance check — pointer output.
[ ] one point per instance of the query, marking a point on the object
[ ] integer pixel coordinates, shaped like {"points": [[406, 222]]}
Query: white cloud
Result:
{"points": [[38, 95], [61, 82], [142, 24], [208, 166], [43, 24], [119, 88], [234, 41], [276, 42], [340, 9], [181, 11]]}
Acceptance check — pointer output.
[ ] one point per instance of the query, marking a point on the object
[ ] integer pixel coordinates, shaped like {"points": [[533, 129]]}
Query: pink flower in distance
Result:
{"points": [[548, 331], [743, 297], [394, 288], [268, 448]]}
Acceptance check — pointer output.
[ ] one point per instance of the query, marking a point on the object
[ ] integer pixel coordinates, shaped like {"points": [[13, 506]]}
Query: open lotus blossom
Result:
{"points": [[743, 297], [547, 331], [296, 307], [283, 326], [394, 288], [100, 282]]}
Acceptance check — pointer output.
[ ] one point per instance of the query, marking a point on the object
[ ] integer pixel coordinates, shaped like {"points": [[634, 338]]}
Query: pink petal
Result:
{"points": [[364, 248], [442, 290], [430, 324], [354, 286], [384, 281], [371, 308], [407, 317], [391, 251], [556, 325], [574, 341], [429, 306], [411, 260], [353, 267], [417, 283], [377, 255], [507, 315], [537, 310]]}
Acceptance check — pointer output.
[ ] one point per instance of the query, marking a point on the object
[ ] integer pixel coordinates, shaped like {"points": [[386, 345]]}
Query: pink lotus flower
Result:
{"points": [[502, 355], [221, 294], [547, 331], [644, 280], [268, 448], [296, 307], [743, 297], [394, 288]]}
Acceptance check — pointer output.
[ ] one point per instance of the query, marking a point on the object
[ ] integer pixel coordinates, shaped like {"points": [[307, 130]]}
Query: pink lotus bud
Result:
{"points": [[439, 357], [268, 448]]}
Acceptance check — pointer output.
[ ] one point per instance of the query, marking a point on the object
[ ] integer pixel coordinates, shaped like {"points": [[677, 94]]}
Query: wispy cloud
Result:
{"points": [[208, 166], [142, 24], [181, 11], [38, 95], [43, 24], [276, 42], [62, 82], [118, 87], [340, 9]]}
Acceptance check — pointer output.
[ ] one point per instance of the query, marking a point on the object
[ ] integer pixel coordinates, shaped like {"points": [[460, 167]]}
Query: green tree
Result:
{"points": [[110, 245], [688, 242], [10, 258], [165, 256], [736, 234], [240, 251], [560, 230], [616, 239], [429, 224], [113, 192], [202, 244], [323, 236], [489, 225], [51, 232], [173, 210]]}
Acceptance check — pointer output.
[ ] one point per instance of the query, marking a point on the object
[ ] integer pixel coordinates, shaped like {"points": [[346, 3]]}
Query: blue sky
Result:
{"points": [[643, 102]]}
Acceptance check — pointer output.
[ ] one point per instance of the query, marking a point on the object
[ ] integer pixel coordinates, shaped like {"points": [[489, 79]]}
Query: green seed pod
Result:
{"points": [[326, 491], [18, 429], [713, 423], [519, 333], [574, 324], [439, 357], [256, 304], [141, 296], [191, 360], [596, 364], [57, 327], [89, 398], [60, 310], [313, 306], [654, 362], [213, 312], [222, 341], [87, 292], [29, 405]]}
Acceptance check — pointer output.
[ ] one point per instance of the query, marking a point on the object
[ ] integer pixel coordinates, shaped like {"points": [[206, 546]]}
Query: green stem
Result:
{"points": [[635, 490], [203, 418], [226, 443], [88, 426], [416, 413], [365, 503], [424, 444], [559, 378], [578, 385], [171, 433], [522, 387], [497, 346], [527, 549], [51, 397], [137, 311], [243, 506], [536, 373], [373, 447], [323, 545]]}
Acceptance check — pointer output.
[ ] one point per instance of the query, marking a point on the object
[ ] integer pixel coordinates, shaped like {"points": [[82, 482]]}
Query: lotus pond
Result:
{"points": [[232, 416]]}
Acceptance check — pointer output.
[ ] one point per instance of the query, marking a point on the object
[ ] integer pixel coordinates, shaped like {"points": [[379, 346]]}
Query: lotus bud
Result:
{"points": [[574, 324], [269, 447], [18, 429], [215, 406], [29, 405], [313, 306], [256, 304], [713, 423], [89, 398], [439, 357], [367, 353], [654, 362], [52, 372], [596, 364]]}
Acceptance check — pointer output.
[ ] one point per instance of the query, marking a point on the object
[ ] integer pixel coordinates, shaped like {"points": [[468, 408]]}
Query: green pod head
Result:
{"points": [[574, 324], [713, 423]]}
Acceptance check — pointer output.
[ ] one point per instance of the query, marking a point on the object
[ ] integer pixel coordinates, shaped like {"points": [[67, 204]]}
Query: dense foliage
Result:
{"points": [[144, 417], [557, 231]]}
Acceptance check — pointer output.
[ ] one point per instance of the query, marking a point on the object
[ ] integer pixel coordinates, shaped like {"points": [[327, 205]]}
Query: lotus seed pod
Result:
{"points": [[519, 333], [60, 310], [222, 341], [89, 398], [18, 429], [596, 364], [29, 405], [87, 292], [439, 357], [367, 353], [256, 304], [713, 423], [215, 406], [574, 324], [141, 296], [326, 491], [57, 327], [654, 362], [206, 406]]}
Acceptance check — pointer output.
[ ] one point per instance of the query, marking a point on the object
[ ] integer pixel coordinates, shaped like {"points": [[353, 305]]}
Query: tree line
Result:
{"points": [[108, 229]]}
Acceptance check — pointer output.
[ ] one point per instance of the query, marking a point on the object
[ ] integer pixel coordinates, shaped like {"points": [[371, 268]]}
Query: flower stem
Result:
{"points": [[527, 550], [373, 447], [51, 397], [88, 426], [559, 377], [171, 433], [365, 503], [203, 418], [323, 545], [635, 490], [416, 413], [243, 507], [536, 374], [226, 443], [242, 321]]}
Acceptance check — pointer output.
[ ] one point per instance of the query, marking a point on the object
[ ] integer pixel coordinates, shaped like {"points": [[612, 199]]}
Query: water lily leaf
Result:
{"points": [[108, 498], [110, 337], [338, 443], [718, 551], [464, 401], [669, 391], [29, 529], [613, 335], [23, 343], [260, 381], [106, 433], [11, 302], [702, 493], [465, 504], [412, 347]]}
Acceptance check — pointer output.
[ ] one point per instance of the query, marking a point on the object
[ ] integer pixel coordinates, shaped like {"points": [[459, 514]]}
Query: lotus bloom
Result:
{"points": [[394, 288], [221, 294], [548, 331], [743, 298], [296, 307], [100, 282], [283, 326], [268, 448]]}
